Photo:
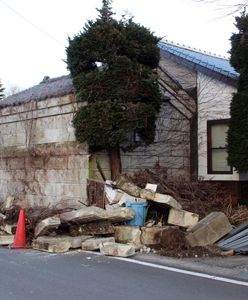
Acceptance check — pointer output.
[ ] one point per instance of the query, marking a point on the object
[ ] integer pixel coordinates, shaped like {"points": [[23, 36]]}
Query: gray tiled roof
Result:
{"points": [[48, 88]]}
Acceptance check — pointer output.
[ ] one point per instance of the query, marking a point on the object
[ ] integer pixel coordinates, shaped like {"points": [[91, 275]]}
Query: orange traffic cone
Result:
{"points": [[20, 236]]}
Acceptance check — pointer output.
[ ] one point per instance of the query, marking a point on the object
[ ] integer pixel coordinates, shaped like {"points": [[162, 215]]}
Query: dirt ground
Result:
{"points": [[174, 244]]}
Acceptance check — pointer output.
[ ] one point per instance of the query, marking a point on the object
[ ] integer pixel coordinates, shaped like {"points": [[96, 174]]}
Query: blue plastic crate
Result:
{"points": [[140, 209]]}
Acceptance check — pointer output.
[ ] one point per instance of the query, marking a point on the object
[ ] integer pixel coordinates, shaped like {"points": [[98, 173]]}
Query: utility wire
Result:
{"points": [[31, 23]]}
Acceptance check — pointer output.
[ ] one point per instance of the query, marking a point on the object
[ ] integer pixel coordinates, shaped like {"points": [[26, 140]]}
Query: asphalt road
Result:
{"points": [[27, 274]]}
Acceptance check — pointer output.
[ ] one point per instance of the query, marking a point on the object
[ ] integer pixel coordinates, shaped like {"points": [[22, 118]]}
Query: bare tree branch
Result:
{"points": [[230, 6]]}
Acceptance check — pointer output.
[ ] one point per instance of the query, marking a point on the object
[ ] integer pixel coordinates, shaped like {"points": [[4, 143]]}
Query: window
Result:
{"points": [[217, 150]]}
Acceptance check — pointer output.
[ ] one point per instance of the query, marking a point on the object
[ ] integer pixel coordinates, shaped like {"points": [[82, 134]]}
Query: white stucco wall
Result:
{"points": [[214, 99]]}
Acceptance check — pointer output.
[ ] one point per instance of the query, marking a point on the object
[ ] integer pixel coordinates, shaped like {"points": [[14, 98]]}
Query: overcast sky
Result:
{"points": [[34, 32]]}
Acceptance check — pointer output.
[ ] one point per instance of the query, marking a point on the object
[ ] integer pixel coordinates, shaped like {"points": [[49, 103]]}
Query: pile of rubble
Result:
{"points": [[117, 228]]}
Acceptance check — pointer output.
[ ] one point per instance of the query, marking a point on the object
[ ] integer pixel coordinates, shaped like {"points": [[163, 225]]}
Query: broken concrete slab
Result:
{"points": [[139, 235], [2, 217], [120, 214], [10, 229], [94, 243], [123, 183], [75, 242], [84, 215], [92, 213], [209, 230], [46, 225], [128, 234], [8, 203], [147, 194], [93, 228], [151, 235], [166, 200], [117, 249], [6, 239], [58, 247], [182, 218]]}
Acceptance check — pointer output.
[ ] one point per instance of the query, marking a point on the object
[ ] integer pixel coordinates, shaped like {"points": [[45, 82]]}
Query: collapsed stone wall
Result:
{"points": [[40, 161]]}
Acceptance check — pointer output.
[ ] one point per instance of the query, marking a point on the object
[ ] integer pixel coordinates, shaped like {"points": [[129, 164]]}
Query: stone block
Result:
{"points": [[128, 234], [19, 175], [147, 194], [59, 247], [116, 249], [125, 185], [46, 225], [182, 218], [94, 244], [59, 243], [9, 229], [16, 163], [6, 239], [92, 228], [49, 189], [78, 162], [2, 217], [8, 203], [120, 214], [209, 230], [35, 162], [3, 164], [74, 190], [167, 200], [93, 213], [57, 163], [84, 215]]}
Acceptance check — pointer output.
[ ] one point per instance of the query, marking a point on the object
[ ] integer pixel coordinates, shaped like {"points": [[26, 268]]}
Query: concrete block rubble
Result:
{"points": [[130, 219]]}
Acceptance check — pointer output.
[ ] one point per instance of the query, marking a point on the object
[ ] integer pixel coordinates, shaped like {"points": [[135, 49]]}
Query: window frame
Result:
{"points": [[211, 123]]}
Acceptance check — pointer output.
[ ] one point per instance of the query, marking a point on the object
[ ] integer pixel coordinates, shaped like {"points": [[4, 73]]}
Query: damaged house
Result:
{"points": [[41, 163]]}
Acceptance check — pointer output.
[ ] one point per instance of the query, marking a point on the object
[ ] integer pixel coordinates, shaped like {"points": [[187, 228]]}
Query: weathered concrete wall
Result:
{"points": [[40, 161], [214, 99]]}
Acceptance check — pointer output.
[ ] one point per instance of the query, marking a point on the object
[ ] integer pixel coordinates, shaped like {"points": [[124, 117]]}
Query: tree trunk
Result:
{"points": [[115, 162]]}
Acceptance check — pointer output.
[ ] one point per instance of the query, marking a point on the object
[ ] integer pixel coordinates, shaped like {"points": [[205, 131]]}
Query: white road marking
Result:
{"points": [[157, 266], [192, 273]]}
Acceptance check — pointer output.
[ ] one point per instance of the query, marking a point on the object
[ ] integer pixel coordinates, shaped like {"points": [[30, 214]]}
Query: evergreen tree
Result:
{"points": [[238, 130], [1, 91], [112, 64]]}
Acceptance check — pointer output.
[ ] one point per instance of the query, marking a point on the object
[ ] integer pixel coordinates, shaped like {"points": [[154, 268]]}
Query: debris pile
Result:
{"points": [[129, 218], [200, 197]]}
